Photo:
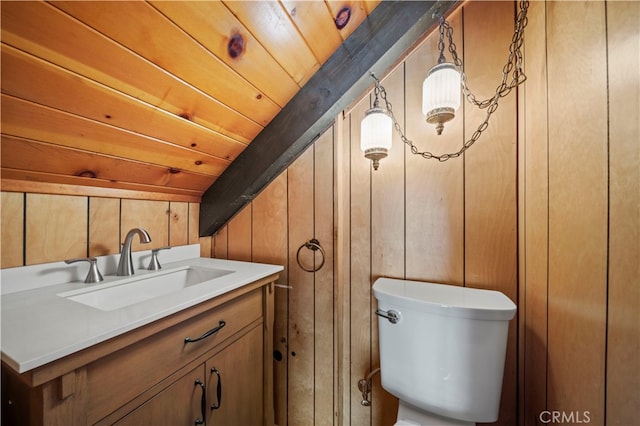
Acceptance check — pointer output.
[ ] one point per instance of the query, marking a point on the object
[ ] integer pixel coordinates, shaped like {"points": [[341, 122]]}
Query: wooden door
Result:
{"points": [[179, 404], [235, 382], [296, 207]]}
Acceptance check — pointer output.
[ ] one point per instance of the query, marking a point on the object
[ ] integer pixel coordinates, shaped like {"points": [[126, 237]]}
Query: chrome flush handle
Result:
{"points": [[391, 315]]}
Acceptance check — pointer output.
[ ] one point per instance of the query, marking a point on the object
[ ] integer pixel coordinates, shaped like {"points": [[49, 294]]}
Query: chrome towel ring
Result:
{"points": [[313, 245]]}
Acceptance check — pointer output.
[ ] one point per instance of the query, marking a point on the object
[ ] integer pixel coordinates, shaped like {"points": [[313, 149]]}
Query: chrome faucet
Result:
{"points": [[125, 266]]}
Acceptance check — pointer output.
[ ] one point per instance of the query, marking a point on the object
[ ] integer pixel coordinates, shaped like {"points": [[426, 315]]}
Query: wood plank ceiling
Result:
{"points": [[152, 99]]}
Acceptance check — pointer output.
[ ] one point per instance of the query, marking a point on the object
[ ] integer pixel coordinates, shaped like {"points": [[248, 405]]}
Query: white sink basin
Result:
{"points": [[129, 291]]}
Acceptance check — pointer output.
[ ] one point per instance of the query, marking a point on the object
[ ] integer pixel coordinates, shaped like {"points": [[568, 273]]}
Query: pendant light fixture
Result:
{"points": [[376, 131], [441, 89], [441, 92]]}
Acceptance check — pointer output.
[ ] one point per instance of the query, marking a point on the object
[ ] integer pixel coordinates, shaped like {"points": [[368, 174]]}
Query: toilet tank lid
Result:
{"points": [[442, 299]]}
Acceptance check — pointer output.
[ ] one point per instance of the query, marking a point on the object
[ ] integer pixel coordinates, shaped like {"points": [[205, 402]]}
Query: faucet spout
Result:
{"points": [[125, 265]]}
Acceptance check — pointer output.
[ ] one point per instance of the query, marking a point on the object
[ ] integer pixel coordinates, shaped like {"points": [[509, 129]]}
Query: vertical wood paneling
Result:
{"points": [[269, 245], [343, 266], [623, 339], [387, 194], [269, 232], [11, 229], [56, 228], [490, 207], [104, 226], [360, 315], [534, 224], [296, 207], [178, 224], [490, 175], [301, 295], [435, 206], [239, 235], [577, 207], [194, 222], [521, 250], [387, 234], [324, 367], [206, 244], [58, 225], [221, 243], [153, 216]]}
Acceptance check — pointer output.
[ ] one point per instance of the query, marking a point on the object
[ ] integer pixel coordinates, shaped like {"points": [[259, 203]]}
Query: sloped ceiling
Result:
{"points": [[163, 99]]}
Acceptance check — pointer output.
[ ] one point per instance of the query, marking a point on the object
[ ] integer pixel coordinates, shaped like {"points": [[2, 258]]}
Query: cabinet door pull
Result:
{"points": [[214, 330], [218, 389], [203, 404]]}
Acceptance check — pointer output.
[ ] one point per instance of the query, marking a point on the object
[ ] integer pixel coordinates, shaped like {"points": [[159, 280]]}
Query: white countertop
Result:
{"points": [[39, 326]]}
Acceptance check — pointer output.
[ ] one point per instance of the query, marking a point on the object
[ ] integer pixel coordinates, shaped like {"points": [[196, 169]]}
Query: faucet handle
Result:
{"points": [[154, 265], [94, 275]]}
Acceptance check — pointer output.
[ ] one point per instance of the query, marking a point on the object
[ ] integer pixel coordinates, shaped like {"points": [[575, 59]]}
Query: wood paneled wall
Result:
{"points": [[622, 378], [295, 208], [580, 212], [41, 228], [545, 208]]}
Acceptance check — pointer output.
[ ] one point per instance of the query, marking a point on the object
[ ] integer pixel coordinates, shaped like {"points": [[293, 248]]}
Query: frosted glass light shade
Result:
{"points": [[376, 133], [441, 94]]}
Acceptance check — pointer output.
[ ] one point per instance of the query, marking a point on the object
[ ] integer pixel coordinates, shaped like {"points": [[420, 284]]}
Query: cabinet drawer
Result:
{"points": [[119, 377]]}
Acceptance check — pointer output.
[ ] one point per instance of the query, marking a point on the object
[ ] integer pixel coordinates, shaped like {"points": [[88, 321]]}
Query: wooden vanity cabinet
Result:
{"points": [[234, 383], [179, 404], [230, 395], [151, 376]]}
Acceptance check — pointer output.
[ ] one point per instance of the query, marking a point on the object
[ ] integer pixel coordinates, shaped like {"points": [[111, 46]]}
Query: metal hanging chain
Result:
{"points": [[490, 104], [514, 59]]}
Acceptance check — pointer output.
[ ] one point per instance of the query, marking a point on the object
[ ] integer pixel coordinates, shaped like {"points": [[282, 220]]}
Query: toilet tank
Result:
{"points": [[446, 352]]}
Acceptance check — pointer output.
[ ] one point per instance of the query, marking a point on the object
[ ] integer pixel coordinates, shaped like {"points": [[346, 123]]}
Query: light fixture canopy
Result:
{"points": [[441, 92]]}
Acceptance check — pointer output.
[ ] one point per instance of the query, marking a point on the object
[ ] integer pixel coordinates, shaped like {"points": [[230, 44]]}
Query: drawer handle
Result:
{"points": [[203, 404], [218, 389], [214, 330]]}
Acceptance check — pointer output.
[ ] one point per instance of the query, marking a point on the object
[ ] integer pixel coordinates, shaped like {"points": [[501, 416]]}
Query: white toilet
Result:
{"points": [[442, 350]]}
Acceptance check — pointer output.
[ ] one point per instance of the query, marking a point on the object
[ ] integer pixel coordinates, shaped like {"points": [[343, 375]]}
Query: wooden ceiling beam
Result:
{"points": [[376, 45]]}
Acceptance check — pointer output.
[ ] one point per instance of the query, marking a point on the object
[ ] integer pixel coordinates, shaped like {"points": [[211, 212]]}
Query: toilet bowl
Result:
{"points": [[442, 350], [409, 415]]}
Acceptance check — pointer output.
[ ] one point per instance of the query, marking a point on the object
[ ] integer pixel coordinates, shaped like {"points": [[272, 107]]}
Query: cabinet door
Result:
{"points": [[179, 404], [235, 383]]}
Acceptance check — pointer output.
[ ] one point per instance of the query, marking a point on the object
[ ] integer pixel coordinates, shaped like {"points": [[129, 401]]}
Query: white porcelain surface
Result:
{"points": [[408, 415], [40, 326], [446, 354], [45, 274], [447, 300], [126, 292]]}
